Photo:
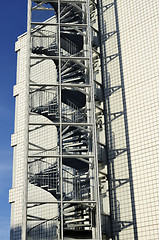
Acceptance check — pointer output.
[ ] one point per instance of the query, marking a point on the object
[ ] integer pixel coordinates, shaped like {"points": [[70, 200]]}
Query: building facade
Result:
{"points": [[85, 140]]}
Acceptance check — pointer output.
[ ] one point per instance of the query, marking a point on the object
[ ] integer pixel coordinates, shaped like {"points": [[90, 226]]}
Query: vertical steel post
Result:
{"points": [[60, 110], [25, 172]]}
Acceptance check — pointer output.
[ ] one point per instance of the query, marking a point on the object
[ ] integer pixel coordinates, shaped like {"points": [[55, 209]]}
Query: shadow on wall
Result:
{"points": [[116, 124]]}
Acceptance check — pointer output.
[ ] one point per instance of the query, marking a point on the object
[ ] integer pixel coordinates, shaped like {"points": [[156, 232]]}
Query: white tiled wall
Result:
{"points": [[139, 33]]}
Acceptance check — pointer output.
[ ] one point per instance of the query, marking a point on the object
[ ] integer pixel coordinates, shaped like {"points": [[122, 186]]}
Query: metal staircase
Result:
{"points": [[69, 175]]}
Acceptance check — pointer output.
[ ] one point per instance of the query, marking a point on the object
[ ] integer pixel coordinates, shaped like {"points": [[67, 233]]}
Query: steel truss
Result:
{"points": [[61, 187]]}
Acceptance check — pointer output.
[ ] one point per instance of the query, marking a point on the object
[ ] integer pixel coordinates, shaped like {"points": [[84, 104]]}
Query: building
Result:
{"points": [[85, 143]]}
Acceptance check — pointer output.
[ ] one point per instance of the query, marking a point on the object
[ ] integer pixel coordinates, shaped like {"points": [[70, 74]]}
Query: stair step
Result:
{"points": [[72, 133], [80, 225], [52, 114], [44, 186], [52, 189], [74, 144], [77, 80], [79, 208], [77, 220], [73, 214], [74, 139], [75, 150], [46, 111]]}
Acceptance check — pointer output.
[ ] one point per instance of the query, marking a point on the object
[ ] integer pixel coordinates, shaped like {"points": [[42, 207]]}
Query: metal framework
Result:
{"points": [[61, 183]]}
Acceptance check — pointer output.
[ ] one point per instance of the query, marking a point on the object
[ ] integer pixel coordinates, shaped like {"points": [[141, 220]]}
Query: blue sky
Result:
{"points": [[13, 23]]}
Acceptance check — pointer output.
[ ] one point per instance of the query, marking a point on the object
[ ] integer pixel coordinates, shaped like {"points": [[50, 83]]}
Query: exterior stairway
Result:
{"points": [[77, 218]]}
